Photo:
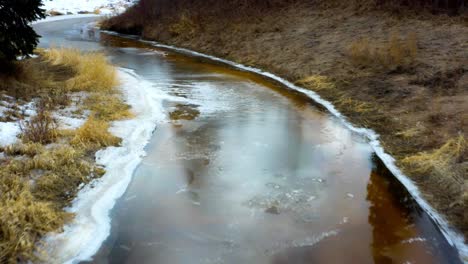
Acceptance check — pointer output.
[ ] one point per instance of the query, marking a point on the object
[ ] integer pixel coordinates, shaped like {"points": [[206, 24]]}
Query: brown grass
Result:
{"points": [[440, 162], [184, 26], [396, 52], [38, 179], [113, 109], [93, 72], [94, 134], [317, 82]]}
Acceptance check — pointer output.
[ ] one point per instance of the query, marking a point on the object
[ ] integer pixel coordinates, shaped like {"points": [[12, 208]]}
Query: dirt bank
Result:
{"points": [[403, 75]]}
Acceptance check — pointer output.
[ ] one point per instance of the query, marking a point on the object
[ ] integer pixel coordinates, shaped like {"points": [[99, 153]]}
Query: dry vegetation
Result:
{"points": [[42, 174], [396, 53], [398, 67]]}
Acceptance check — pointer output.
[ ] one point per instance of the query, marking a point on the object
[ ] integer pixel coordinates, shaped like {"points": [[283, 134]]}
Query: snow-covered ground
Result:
{"points": [[102, 7], [9, 123]]}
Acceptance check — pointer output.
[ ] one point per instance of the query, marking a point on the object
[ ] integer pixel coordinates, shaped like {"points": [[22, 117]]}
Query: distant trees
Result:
{"points": [[17, 38]]}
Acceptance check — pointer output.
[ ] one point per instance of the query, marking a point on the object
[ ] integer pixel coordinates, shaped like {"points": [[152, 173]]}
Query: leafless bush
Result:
{"points": [[41, 128]]}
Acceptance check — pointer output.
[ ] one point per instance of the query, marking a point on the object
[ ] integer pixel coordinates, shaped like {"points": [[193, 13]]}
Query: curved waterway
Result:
{"points": [[245, 171]]}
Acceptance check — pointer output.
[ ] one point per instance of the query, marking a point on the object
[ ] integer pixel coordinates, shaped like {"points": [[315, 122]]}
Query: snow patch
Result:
{"points": [[8, 133], [104, 7]]}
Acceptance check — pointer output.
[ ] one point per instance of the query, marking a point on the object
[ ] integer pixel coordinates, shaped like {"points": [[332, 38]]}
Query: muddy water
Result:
{"points": [[243, 171]]}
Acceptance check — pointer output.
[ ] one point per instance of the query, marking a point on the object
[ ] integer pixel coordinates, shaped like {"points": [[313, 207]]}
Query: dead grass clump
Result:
{"points": [[397, 52], [94, 134], [93, 72], [23, 221], [106, 106], [317, 82], [41, 128], [19, 149], [355, 106], [441, 163], [64, 169]]}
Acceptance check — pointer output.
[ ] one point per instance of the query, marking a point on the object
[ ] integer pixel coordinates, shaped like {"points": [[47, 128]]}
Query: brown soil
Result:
{"points": [[416, 106]]}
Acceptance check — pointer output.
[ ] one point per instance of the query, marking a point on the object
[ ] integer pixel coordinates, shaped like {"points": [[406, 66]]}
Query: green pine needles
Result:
{"points": [[17, 38]]}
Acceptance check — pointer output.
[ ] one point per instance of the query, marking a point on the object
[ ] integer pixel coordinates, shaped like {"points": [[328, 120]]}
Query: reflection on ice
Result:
{"points": [[241, 173]]}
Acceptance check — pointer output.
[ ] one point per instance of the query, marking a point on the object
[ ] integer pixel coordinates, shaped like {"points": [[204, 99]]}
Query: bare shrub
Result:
{"points": [[41, 128]]}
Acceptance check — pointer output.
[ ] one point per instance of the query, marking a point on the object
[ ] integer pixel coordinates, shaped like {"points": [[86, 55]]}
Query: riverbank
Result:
{"points": [[52, 125], [402, 75]]}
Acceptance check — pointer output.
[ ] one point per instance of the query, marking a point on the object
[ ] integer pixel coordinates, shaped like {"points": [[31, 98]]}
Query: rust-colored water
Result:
{"points": [[244, 171]]}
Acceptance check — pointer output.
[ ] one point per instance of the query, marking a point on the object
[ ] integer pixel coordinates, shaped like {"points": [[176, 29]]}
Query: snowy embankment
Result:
{"points": [[102, 7], [83, 237]]}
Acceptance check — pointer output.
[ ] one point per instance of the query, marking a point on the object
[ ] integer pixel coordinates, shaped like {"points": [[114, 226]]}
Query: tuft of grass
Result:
{"points": [[113, 109], [19, 149], [317, 82], [93, 72], [410, 132], [94, 134], [23, 221], [397, 52], [355, 105], [439, 163]]}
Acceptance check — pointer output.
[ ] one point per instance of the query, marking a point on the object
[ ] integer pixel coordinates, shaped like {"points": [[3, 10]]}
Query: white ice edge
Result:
{"points": [[83, 237], [453, 237]]}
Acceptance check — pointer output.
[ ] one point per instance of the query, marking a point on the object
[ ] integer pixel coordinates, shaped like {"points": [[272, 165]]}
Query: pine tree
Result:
{"points": [[17, 37]]}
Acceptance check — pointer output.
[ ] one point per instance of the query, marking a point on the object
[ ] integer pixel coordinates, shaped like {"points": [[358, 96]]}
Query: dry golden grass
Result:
{"points": [[397, 52], [36, 180], [440, 164], [94, 134], [20, 149], [93, 72], [317, 82], [410, 132], [113, 109], [23, 221], [96, 76]]}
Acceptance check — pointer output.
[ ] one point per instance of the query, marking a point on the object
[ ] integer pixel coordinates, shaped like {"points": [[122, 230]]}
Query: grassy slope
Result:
{"points": [[41, 175], [404, 75]]}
